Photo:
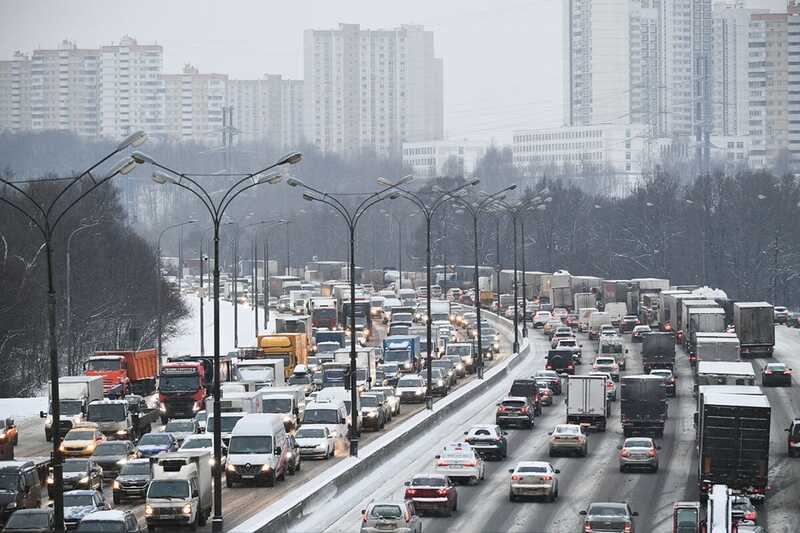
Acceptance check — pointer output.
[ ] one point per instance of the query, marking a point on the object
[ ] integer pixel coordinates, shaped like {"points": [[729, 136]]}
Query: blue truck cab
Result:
{"points": [[403, 350]]}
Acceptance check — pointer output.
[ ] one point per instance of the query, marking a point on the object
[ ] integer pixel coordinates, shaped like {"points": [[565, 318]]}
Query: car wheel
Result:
{"points": [[552, 496], [655, 468], [116, 499], [622, 468], [299, 464], [511, 496], [228, 482], [585, 451], [551, 453]]}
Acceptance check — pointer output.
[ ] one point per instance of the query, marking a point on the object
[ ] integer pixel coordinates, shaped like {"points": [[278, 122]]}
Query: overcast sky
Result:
{"points": [[502, 59]]}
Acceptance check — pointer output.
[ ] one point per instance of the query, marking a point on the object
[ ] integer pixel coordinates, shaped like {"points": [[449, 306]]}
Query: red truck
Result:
{"points": [[181, 389], [124, 371]]}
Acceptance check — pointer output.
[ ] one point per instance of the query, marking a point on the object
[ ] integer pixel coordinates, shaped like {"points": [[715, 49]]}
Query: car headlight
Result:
{"points": [[84, 480], [371, 414], [231, 468], [212, 461], [407, 364], [61, 448], [122, 432], [49, 419], [266, 468], [50, 480], [187, 509], [335, 433], [162, 407], [116, 485], [148, 511], [122, 462], [420, 392]]}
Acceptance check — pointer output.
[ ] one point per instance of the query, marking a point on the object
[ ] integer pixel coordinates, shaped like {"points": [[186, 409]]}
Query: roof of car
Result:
{"points": [[112, 515], [429, 475], [543, 464], [81, 492], [515, 399]]}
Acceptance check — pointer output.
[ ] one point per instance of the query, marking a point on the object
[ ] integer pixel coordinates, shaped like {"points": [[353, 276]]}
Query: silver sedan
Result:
{"points": [[533, 478]]}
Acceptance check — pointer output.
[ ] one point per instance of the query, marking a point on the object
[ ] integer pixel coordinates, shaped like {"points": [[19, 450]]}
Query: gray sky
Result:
{"points": [[502, 60]]}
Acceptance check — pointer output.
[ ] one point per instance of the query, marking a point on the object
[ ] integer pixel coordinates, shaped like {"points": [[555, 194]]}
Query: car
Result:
{"points": [[111, 455], [180, 428], [550, 326], [628, 322], [79, 503], [204, 442], [610, 516], [780, 314], [793, 438], [383, 399], [399, 517], [78, 474], [670, 380], [432, 493], [572, 320], [488, 440], [81, 440], [373, 413], [391, 372], [439, 381], [611, 386], [459, 461], [561, 332], [411, 389], [638, 452], [608, 364], [568, 438], [541, 318], [545, 393], [533, 478], [515, 411], [316, 441], [106, 521], [153, 444], [31, 521], [8, 432], [133, 480], [449, 368], [742, 510], [392, 400], [294, 456], [750, 528], [607, 330], [638, 333], [571, 343], [776, 375], [560, 313], [552, 378], [458, 364]]}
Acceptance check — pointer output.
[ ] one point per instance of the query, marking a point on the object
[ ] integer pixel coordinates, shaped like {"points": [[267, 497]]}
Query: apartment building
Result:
{"points": [[15, 94], [268, 109], [193, 103]]}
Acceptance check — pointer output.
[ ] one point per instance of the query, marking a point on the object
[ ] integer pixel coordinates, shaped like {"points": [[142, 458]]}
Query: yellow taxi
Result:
{"points": [[81, 440]]}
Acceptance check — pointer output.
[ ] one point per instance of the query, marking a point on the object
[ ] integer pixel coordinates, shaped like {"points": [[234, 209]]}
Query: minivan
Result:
{"points": [[21, 487], [327, 412], [258, 450]]}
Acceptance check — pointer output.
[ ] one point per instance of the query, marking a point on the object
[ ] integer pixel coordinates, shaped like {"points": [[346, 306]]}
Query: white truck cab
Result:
{"points": [[180, 492]]}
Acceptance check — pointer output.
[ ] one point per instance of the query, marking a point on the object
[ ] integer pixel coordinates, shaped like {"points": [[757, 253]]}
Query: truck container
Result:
{"points": [[665, 314], [643, 405], [651, 285], [658, 350], [724, 373], [506, 281], [181, 390], [734, 431], [561, 297], [710, 346], [533, 284], [755, 328], [291, 347], [75, 395], [404, 350], [264, 371], [598, 318], [749, 390], [560, 279], [583, 300], [648, 309], [294, 324], [590, 284], [702, 319], [587, 401], [584, 318], [180, 493], [124, 371], [281, 285], [675, 303], [440, 310], [682, 322], [615, 311], [237, 402]]}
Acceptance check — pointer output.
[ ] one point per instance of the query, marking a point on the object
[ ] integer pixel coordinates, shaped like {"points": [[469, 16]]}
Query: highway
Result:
{"points": [[485, 508]]}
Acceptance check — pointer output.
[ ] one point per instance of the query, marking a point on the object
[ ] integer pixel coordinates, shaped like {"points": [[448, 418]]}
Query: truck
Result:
{"points": [[724, 373], [561, 297], [682, 323], [236, 402], [338, 336], [291, 347], [665, 314], [289, 402], [299, 302], [294, 324], [124, 372], [643, 405], [733, 445], [754, 322], [264, 372], [583, 300], [363, 314], [720, 389], [598, 318], [180, 491], [181, 389], [122, 419], [615, 312], [440, 310], [584, 318], [404, 350], [715, 347], [658, 350], [75, 395], [281, 285], [702, 320], [323, 312], [587, 402]]}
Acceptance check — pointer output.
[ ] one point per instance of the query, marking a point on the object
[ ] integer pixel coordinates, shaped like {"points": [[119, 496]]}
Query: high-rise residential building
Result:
{"points": [[131, 89], [193, 105], [371, 89], [63, 89], [15, 93], [269, 109]]}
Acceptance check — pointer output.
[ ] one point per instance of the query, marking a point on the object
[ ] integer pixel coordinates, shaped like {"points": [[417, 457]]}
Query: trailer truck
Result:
{"points": [[643, 405], [755, 328], [403, 350], [181, 389], [658, 350], [587, 401], [124, 372], [75, 395], [710, 346], [702, 319]]}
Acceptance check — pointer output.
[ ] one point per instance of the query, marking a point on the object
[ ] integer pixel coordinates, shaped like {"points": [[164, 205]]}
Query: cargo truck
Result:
{"points": [[754, 322], [181, 390], [121, 419], [733, 445], [749, 390], [658, 350], [404, 350], [180, 492], [323, 312], [587, 401], [665, 314], [289, 402], [683, 312], [124, 372], [598, 318], [266, 372], [561, 297], [75, 395], [674, 303], [702, 319], [710, 346], [643, 405], [724, 373], [338, 336], [291, 347], [583, 300], [440, 310]]}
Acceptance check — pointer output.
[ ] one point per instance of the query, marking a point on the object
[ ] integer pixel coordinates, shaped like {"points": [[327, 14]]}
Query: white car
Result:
{"points": [[533, 478], [459, 461], [315, 441], [607, 364], [203, 442], [411, 389], [541, 318], [392, 399], [611, 387]]}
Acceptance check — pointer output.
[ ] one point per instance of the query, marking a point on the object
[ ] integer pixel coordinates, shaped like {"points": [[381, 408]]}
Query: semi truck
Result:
{"points": [[754, 322], [710, 346], [323, 312], [75, 395], [124, 372], [587, 401], [733, 443], [404, 350], [665, 313], [643, 405], [724, 373], [121, 419], [720, 389], [583, 300], [292, 348], [181, 389], [180, 492], [682, 323], [658, 350], [440, 310], [702, 319]]}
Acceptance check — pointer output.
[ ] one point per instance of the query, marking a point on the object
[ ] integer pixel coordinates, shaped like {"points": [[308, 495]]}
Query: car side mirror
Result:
{"points": [[635, 513], [582, 513], [510, 470], [50, 505], [626, 350], [278, 450], [363, 511], [195, 493], [407, 483], [466, 433], [504, 432], [42, 414], [557, 471], [437, 456], [619, 447]]}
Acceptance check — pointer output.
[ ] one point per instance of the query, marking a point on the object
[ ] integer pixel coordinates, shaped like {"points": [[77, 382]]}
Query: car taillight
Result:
{"points": [[524, 409], [515, 477], [410, 492], [442, 492], [624, 453], [751, 515], [470, 463], [768, 371], [501, 409], [548, 477], [587, 527], [549, 366], [651, 452], [443, 463]]}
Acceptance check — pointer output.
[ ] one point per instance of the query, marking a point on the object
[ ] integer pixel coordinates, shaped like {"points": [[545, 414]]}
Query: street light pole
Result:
{"points": [[524, 282], [45, 219], [68, 284], [216, 211]]}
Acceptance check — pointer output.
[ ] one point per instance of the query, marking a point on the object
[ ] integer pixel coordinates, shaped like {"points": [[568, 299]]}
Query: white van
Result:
{"points": [[328, 413], [258, 450], [339, 394], [597, 319]]}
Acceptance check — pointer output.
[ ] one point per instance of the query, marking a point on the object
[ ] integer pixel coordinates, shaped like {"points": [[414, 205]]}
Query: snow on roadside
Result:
{"points": [[22, 408]]}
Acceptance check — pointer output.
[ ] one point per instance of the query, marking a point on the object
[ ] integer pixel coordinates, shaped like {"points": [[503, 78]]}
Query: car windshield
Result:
{"points": [[9, 481], [75, 466], [386, 511], [410, 382], [69, 408], [154, 439], [79, 435], [194, 444], [100, 526], [531, 469], [459, 350], [428, 482], [168, 488], [687, 518], [250, 444], [103, 364], [513, 403], [567, 430], [310, 433], [321, 416], [607, 510], [662, 373], [369, 401], [276, 405], [78, 500], [227, 424], [638, 443], [176, 383], [458, 454], [300, 379], [111, 448], [106, 412], [39, 520], [796, 430], [390, 368], [135, 469], [604, 361], [179, 426]]}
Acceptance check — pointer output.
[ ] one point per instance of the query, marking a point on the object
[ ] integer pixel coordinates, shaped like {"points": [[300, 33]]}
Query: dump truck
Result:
{"points": [[124, 372], [291, 347]]}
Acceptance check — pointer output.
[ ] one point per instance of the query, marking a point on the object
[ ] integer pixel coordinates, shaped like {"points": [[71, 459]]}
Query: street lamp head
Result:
{"points": [[689, 201], [541, 207], [474, 182], [124, 166], [291, 158], [141, 158], [761, 197], [271, 178], [294, 182], [548, 199], [161, 178], [545, 191], [597, 206], [384, 182], [135, 139], [649, 204], [394, 196], [307, 197], [511, 187]]}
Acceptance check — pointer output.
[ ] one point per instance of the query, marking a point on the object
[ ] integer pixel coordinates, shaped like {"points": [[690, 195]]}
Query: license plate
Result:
{"points": [[456, 466], [248, 476], [386, 526], [167, 516]]}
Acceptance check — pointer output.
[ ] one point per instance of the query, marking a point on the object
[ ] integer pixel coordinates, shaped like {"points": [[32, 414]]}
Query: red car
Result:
{"points": [[571, 321], [432, 493], [545, 395]]}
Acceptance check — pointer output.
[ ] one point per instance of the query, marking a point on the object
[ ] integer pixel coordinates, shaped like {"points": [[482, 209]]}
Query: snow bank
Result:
{"points": [[21, 408], [710, 294]]}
